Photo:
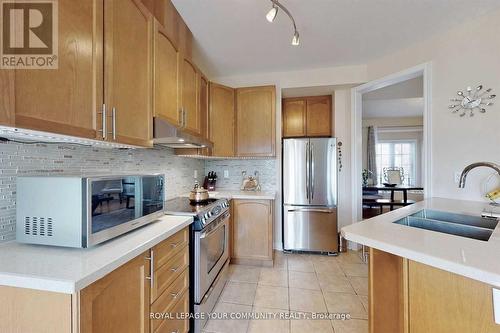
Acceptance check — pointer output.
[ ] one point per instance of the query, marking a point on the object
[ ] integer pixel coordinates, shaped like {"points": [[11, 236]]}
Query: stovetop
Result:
{"points": [[203, 213]]}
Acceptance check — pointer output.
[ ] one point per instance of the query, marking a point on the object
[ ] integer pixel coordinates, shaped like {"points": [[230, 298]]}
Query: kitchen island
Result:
{"points": [[427, 281]]}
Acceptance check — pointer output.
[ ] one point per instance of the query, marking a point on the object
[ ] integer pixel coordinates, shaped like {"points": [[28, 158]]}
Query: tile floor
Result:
{"points": [[298, 285]]}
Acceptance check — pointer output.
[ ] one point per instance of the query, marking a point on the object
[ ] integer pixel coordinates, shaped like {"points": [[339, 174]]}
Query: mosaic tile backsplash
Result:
{"points": [[266, 169], [60, 159]]}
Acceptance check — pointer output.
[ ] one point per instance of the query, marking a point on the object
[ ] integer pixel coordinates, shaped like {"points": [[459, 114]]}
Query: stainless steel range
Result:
{"points": [[209, 258]]}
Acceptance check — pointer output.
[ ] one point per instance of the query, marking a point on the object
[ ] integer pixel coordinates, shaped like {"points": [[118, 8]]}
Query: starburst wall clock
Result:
{"points": [[472, 100]]}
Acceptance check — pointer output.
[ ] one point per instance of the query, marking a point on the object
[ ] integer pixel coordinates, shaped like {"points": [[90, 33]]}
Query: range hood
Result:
{"points": [[168, 135]]}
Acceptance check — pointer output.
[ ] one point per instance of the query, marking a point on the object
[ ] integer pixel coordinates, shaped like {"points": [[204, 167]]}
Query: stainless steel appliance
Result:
{"points": [[310, 195], [166, 134], [84, 211], [210, 250]]}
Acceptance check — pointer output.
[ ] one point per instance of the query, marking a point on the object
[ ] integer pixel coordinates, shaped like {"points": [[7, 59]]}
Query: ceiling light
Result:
{"points": [[271, 14], [296, 39]]}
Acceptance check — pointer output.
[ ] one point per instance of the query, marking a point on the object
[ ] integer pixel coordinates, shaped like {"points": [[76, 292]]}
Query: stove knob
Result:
{"points": [[206, 216]]}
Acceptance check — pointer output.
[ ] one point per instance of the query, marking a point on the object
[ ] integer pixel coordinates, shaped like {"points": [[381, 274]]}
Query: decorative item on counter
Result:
{"points": [[250, 183], [472, 100], [339, 155], [210, 180]]}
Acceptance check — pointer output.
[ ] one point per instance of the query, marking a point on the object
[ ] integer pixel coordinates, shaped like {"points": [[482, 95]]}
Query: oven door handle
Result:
{"points": [[211, 232]]}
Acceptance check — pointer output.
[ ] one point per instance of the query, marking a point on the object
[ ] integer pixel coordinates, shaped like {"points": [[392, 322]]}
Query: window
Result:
{"points": [[399, 154]]}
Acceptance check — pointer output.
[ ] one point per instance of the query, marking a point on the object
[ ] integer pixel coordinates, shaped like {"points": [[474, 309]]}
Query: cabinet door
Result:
{"points": [[319, 116], [65, 100], [119, 302], [221, 119], [203, 96], [128, 71], [294, 117], [166, 77], [252, 229], [7, 95], [255, 121], [189, 97]]}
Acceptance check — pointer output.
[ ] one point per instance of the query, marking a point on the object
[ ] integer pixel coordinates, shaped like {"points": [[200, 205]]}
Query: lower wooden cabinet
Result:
{"points": [[252, 232], [126, 300], [407, 296]]}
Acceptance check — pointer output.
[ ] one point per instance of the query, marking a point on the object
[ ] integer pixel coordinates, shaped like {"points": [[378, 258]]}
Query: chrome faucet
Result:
{"points": [[468, 168]]}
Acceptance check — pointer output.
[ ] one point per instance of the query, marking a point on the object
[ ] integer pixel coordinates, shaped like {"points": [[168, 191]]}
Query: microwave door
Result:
{"points": [[296, 171]]}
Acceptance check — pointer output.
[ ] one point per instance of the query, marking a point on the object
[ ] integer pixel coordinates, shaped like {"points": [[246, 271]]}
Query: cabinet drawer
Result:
{"points": [[169, 247], [166, 274], [166, 303]]}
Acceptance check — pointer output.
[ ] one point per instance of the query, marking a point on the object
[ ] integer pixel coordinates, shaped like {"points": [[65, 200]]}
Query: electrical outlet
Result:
{"points": [[195, 174], [457, 176], [226, 173]]}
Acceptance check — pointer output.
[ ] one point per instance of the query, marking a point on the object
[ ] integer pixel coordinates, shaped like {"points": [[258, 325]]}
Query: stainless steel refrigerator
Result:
{"points": [[310, 194]]}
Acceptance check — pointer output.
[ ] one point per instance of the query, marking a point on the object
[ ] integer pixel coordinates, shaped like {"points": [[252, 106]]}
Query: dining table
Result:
{"points": [[398, 188]]}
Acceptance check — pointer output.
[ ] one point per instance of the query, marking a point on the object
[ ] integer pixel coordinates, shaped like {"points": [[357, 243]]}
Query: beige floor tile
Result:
{"points": [[355, 269], [350, 257], [303, 280], [277, 325], [273, 277], [335, 283], [350, 326], [325, 267], [271, 297], [303, 300], [239, 293], [228, 325], [241, 273], [280, 262], [345, 303], [310, 326], [322, 258], [300, 263], [364, 300], [360, 284]]}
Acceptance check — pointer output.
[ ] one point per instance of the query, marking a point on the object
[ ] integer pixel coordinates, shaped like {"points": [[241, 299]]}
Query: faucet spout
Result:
{"points": [[467, 169]]}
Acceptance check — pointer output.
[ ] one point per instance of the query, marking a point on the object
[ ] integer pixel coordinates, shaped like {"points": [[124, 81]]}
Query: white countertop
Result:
{"points": [[479, 260], [68, 270], [252, 195]]}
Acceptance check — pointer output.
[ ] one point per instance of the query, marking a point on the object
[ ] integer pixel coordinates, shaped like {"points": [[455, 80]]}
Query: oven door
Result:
{"points": [[211, 249]]}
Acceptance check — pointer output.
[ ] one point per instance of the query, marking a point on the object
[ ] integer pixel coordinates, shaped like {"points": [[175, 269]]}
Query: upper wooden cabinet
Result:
{"points": [[221, 120], [128, 70], [166, 77], [119, 302], [255, 132], [308, 116], [189, 97], [66, 100]]}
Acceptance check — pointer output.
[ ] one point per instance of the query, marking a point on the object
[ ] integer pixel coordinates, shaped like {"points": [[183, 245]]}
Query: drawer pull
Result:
{"points": [[174, 295], [151, 268], [174, 245], [176, 331], [174, 269]]}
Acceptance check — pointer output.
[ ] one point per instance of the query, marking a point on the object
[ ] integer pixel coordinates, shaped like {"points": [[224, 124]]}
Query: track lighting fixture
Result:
{"points": [[273, 12]]}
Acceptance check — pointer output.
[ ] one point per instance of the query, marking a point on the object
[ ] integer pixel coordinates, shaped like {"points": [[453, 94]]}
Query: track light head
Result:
{"points": [[271, 14], [296, 39]]}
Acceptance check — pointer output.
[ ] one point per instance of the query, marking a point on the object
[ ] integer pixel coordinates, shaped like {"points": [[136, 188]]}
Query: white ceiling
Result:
{"points": [[235, 38]]}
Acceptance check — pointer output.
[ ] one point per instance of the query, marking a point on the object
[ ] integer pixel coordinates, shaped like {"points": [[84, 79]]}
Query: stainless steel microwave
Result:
{"points": [[84, 211]]}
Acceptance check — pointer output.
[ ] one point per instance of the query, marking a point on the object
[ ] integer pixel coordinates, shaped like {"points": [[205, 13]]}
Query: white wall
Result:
{"points": [[467, 55]]}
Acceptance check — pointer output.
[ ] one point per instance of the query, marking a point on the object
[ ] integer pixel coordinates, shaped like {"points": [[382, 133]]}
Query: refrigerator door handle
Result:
{"points": [[312, 170], [307, 171], [312, 210]]}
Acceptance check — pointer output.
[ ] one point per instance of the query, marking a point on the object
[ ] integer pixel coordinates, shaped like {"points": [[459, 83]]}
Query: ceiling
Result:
{"points": [[234, 37]]}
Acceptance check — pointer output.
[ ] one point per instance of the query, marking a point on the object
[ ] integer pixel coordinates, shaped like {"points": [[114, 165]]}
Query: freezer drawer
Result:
{"points": [[310, 229]]}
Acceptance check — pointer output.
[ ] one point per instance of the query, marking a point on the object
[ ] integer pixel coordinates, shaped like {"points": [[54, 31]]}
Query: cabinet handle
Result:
{"points": [[185, 117], [151, 268], [103, 115], [113, 119], [181, 117], [174, 245], [176, 331], [174, 295], [174, 269]]}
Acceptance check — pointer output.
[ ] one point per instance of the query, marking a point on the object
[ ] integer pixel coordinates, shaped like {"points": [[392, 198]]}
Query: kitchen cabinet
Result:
{"points": [[156, 281], [307, 116], [128, 71], [7, 94], [99, 64], [252, 232], [407, 296], [189, 97], [203, 104], [166, 77], [119, 302], [221, 119], [255, 131]]}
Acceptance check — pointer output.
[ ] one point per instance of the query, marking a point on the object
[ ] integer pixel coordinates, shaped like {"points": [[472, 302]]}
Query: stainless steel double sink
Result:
{"points": [[475, 227]]}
